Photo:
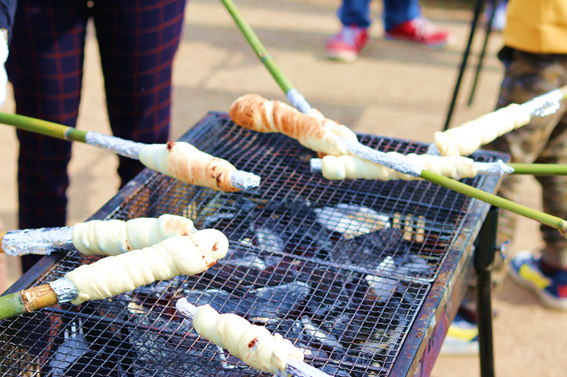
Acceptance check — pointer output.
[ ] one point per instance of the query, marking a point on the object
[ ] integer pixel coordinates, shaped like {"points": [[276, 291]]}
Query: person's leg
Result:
{"points": [[137, 42], [543, 140], [347, 43], [45, 68], [355, 12], [403, 21], [397, 11]]}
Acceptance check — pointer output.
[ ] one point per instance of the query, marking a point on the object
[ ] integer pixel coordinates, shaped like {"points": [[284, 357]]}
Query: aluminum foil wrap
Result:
{"points": [[316, 165], [498, 167], [382, 158], [243, 180], [545, 104], [64, 289], [42, 241], [120, 146], [298, 101]]}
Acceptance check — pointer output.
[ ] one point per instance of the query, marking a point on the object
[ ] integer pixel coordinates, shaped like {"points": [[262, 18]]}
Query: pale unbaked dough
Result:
{"points": [[313, 131], [187, 255], [467, 138], [252, 344], [352, 167], [186, 163], [114, 237]]}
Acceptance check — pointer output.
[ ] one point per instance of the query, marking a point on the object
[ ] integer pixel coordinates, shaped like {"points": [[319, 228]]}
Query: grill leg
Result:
{"points": [[477, 11], [483, 260], [483, 52]]}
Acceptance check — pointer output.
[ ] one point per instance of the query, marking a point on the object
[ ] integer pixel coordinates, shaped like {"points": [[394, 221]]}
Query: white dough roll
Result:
{"points": [[467, 138], [314, 132], [115, 275], [252, 344], [114, 237], [186, 163], [352, 167]]}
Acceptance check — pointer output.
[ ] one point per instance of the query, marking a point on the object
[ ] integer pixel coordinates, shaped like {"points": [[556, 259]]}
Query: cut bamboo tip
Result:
{"points": [[27, 301]]}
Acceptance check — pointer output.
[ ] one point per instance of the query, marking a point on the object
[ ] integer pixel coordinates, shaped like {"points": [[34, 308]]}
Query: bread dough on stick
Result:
{"points": [[186, 163], [114, 237], [321, 135], [252, 344], [467, 138], [114, 275], [352, 167]]}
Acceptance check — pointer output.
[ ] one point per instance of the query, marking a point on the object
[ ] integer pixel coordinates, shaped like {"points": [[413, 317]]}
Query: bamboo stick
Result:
{"points": [[43, 127], [27, 301], [539, 169], [552, 221], [258, 47]]}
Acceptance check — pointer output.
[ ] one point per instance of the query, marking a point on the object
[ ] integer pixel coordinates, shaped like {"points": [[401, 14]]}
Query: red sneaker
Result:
{"points": [[346, 44], [420, 30]]}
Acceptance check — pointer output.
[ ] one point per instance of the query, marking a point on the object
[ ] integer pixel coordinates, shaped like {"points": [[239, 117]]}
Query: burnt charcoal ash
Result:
{"points": [[278, 300], [369, 250], [351, 220], [331, 290]]}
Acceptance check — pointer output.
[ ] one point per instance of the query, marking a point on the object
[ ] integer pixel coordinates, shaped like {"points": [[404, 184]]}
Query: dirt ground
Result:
{"points": [[394, 89]]}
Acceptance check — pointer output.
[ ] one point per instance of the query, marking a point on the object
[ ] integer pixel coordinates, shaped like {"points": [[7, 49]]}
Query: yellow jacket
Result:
{"points": [[537, 26]]}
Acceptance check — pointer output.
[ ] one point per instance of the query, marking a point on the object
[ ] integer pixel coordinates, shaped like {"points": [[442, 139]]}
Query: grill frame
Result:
{"points": [[446, 289]]}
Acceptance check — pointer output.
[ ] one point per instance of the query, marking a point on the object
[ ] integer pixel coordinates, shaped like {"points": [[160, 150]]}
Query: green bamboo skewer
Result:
{"points": [[539, 169], [43, 127], [459, 187], [544, 218], [258, 47]]}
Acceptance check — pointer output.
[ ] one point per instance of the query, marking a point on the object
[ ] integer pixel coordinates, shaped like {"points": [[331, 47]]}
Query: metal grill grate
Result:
{"points": [[339, 268]]}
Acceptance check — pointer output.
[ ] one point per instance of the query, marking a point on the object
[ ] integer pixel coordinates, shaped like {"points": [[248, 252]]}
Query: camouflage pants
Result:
{"points": [[543, 140]]}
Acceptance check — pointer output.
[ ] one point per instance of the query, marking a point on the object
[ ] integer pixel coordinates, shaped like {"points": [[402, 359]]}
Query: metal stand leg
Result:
{"points": [[477, 11], [483, 52], [483, 260]]}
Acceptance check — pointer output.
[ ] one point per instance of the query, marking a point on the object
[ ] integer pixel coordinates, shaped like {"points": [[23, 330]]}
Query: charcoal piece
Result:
{"points": [[334, 370], [319, 335], [351, 220], [278, 300], [268, 239], [67, 353], [331, 292], [89, 364], [221, 301], [345, 327], [369, 250], [252, 272], [412, 265]]}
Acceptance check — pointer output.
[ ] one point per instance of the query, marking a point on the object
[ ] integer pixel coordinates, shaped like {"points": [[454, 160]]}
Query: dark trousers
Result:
{"points": [[137, 43]]}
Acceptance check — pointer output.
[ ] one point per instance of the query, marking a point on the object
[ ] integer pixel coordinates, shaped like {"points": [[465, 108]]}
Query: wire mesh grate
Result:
{"points": [[339, 268]]}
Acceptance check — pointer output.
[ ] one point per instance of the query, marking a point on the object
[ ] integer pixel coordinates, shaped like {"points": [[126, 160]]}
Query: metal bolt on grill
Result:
{"points": [[339, 268]]}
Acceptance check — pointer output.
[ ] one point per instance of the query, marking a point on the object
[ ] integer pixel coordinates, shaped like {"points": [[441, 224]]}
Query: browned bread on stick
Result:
{"points": [[259, 114], [186, 163]]}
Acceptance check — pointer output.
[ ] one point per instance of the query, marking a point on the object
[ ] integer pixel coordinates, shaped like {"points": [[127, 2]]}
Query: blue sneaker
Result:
{"points": [[525, 269], [462, 337]]}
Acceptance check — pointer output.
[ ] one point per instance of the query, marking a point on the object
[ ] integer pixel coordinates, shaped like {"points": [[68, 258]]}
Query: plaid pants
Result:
{"points": [[137, 43]]}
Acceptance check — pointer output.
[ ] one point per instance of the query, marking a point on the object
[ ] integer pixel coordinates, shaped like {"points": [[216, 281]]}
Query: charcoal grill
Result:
{"points": [[359, 303]]}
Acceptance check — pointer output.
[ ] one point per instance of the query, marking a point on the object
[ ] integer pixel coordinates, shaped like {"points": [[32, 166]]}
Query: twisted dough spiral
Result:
{"points": [[187, 255], [319, 134], [114, 237], [352, 167], [252, 344], [467, 138], [186, 163]]}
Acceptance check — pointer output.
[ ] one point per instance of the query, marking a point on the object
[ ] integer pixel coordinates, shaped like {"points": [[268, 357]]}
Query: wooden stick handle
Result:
{"points": [[43, 127], [27, 301]]}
